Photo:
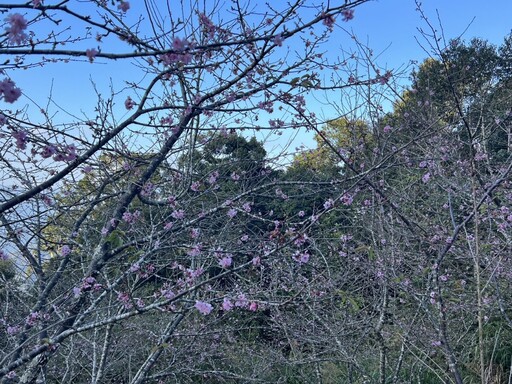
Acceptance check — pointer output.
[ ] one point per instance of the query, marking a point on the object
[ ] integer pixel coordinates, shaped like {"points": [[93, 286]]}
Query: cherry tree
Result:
{"points": [[133, 229]]}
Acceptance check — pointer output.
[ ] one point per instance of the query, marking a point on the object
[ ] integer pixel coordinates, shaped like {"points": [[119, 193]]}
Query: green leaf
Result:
{"points": [[115, 238]]}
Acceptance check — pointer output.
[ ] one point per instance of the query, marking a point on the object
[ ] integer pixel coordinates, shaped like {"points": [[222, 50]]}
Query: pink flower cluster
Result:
{"points": [[129, 103], [89, 283], [203, 307], [348, 14], [131, 218], [301, 257], [208, 26], [124, 6], [16, 29], [9, 91], [226, 261], [91, 54], [65, 153], [180, 54], [21, 139]]}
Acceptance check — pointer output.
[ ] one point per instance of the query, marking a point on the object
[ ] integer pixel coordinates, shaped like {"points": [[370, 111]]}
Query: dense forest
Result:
{"points": [[160, 240]]}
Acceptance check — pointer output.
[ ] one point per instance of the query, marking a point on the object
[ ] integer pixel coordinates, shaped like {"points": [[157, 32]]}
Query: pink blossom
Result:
{"points": [[253, 306], [347, 199], [328, 21], [124, 299], [168, 225], [9, 91], [167, 293], [172, 201], [241, 301], [227, 304], [178, 214], [37, 3], [301, 239], [91, 54], [12, 330], [130, 218], [301, 257], [32, 318], [147, 189], [15, 29], [140, 303], [11, 375], [348, 14], [69, 153], [179, 44], [168, 120], [21, 139], [384, 79], [48, 151], [226, 261], [124, 6], [195, 273], [232, 212], [76, 292], [387, 129], [213, 177], [203, 307], [195, 186], [329, 204], [278, 40], [244, 238], [426, 177], [129, 103], [235, 176], [208, 25], [65, 250], [247, 207], [195, 250]]}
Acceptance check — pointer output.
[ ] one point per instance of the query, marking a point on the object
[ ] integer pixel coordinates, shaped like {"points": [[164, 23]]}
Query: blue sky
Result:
{"points": [[390, 27], [393, 24]]}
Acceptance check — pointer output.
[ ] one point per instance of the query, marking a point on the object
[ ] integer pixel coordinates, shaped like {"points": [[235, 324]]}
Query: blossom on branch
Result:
{"points": [[348, 14], [15, 29], [91, 54], [203, 307], [9, 91], [124, 6]]}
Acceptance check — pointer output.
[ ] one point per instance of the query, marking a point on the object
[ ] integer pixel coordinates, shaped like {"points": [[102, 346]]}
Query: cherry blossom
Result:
{"points": [[129, 103], [124, 6], [16, 28], [227, 304], [9, 91], [203, 307], [91, 54]]}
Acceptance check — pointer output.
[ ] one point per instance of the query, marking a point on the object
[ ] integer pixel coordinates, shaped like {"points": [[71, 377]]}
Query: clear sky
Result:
{"points": [[390, 27], [393, 24]]}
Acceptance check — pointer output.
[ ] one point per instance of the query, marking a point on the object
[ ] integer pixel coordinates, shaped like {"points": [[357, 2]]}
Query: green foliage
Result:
{"points": [[352, 139], [7, 270]]}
